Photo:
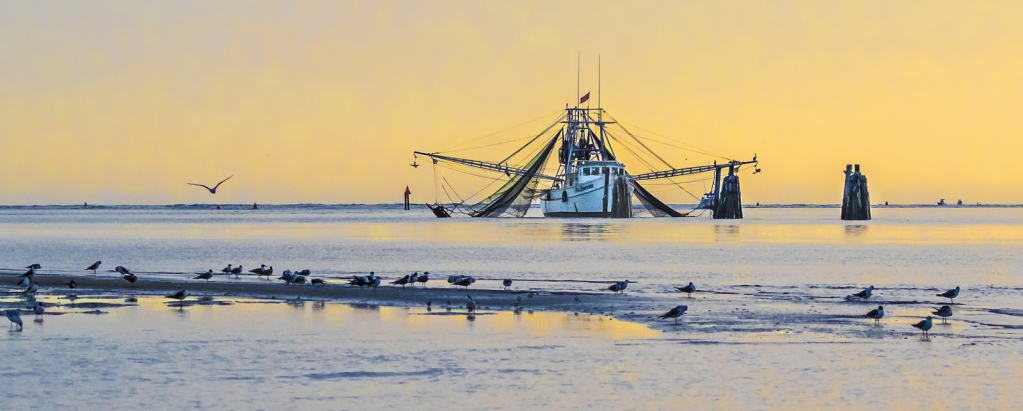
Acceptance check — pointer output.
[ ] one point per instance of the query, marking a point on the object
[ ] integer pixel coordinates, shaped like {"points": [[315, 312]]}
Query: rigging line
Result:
{"points": [[449, 196], [494, 180], [488, 145], [706, 153], [556, 122], [622, 126], [496, 132], [453, 189], [626, 144], [650, 166], [680, 142], [450, 167]]}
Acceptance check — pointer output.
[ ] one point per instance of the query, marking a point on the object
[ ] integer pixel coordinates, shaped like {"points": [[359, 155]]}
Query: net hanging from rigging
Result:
{"points": [[516, 195]]}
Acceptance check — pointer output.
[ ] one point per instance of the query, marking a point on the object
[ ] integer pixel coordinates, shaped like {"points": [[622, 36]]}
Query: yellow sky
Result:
{"points": [[123, 103]]}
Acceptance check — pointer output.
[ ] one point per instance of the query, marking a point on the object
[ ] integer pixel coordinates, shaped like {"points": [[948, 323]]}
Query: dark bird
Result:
{"points": [[15, 317], [72, 284], [305, 272], [36, 266], [944, 312], [268, 272], [470, 305], [423, 278], [414, 165], [951, 295], [214, 189], [466, 282], [865, 294], [205, 276], [452, 279], [122, 270], [507, 283], [401, 281], [359, 281], [619, 287], [375, 283], [180, 296], [676, 312], [924, 325], [689, 289], [227, 270], [286, 276], [237, 270], [94, 266], [259, 271], [30, 274], [317, 282], [413, 278], [298, 280], [876, 314], [132, 278]]}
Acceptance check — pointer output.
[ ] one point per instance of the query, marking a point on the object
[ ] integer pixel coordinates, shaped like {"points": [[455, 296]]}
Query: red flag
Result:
{"points": [[586, 97]]}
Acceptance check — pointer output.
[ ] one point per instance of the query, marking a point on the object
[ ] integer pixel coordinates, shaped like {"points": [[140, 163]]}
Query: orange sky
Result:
{"points": [[123, 103]]}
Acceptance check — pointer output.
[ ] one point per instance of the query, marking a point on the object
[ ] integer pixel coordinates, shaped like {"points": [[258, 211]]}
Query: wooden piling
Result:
{"points": [[856, 198], [729, 201]]}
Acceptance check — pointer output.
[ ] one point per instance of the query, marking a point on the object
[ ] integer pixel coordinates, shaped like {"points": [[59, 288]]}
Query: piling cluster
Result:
{"points": [[729, 204], [856, 200]]}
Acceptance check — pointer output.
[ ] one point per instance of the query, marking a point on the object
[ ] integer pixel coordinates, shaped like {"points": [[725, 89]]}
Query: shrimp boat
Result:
{"points": [[589, 179]]}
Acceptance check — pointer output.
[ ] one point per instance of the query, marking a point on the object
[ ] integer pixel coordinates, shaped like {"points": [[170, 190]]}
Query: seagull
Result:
{"points": [[423, 278], [619, 287], [30, 274], [286, 276], [470, 306], [865, 294], [214, 189], [299, 279], [317, 283], [25, 282], [401, 281], [38, 310], [375, 283], [358, 280], [689, 289], [466, 282], [268, 272], [944, 312], [15, 317], [507, 283], [180, 296], [227, 270], [676, 312], [72, 284], [950, 294], [122, 270], [876, 314], [452, 279], [924, 325], [412, 278], [237, 270], [132, 278], [94, 266], [36, 266], [205, 276], [260, 270], [32, 289], [305, 272]]}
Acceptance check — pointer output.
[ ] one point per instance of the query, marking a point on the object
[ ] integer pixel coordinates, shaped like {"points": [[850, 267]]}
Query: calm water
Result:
{"points": [[330, 356]]}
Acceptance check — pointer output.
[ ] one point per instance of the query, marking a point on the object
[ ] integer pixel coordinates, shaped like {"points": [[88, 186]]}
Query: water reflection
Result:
{"points": [[855, 229], [589, 231]]}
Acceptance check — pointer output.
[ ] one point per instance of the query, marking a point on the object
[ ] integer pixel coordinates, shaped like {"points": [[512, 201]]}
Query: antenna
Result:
{"points": [[578, 62], [598, 81]]}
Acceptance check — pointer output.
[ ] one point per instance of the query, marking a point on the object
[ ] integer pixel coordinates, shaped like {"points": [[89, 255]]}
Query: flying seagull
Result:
{"points": [[876, 314], [205, 276], [944, 312], [950, 294], [865, 294], [676, 312], [214, 189], [924, 325], [689, 289]]}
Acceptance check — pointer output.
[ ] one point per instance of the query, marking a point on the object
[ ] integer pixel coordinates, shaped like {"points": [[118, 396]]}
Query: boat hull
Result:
{"points": [[593, 196]]}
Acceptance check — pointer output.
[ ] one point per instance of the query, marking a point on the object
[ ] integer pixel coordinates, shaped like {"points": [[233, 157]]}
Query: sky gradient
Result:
{"points": [[123, 103]]}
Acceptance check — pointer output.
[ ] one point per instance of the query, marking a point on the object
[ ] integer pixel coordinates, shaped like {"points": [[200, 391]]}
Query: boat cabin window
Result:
{"points": [[604, 170], [586, 171]]}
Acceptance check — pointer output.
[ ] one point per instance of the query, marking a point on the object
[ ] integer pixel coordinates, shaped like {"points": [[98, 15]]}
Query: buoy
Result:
{"points": [[254, 206], [407, 194]]}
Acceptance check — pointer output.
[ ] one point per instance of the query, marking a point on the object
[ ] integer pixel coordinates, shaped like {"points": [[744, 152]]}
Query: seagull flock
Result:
{"points": [[300, 277]]}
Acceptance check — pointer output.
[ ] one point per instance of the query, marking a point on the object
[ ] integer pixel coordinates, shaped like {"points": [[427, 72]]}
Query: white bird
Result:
{"points": [[924, 325], [214, 189], [689, 289], [944, 312], [15, 317], [38, 309], [25, 282], [865, 294], [470, 306], [31, 273], [876, 314], [375, 283], [466, 282], [676, 312], [412, 278], [32, 288], [227, 270], [950, 294], [452, 279]]}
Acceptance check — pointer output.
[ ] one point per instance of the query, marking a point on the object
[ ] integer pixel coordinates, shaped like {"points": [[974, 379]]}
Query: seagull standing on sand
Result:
{"points": [[32, 289], [30, 274], [227, 270], [944, 312], [452, 279], [268, 272], [470, 306], [15, 317], [205, 276], [38, 309], [865, 294], [180, 296], [466, 282], [401, 281], [375, 283], [507, 283], [259, 271], [93, 267], [122, 270], [237, 270], [924, 325], [676, 312], [286, 276], [25, 282], [72, 284], [412, 278], [951, 295], [298, 280], [317, 283], [214, 189], [876, 314], [689, 289], [619, 287], [423, 278]]}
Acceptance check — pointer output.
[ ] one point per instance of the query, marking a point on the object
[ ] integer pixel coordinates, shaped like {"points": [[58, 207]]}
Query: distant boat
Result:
{"points": [[942, 202]]}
